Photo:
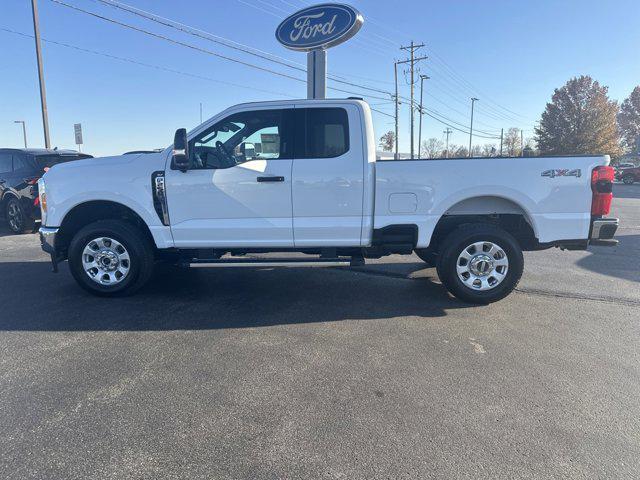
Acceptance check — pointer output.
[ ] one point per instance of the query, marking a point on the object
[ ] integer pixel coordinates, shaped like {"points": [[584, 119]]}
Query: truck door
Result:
{"points": [[237, 191], [328, 177]]}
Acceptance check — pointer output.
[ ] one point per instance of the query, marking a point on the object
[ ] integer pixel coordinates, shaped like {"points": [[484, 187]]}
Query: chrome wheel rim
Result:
{"points": [[106, 261], [482, 266], [14, 216]]}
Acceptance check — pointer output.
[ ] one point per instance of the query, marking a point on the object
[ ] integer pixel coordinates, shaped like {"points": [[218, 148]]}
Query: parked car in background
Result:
{"points": [[628, 175], [20, 170], [620, 166]]}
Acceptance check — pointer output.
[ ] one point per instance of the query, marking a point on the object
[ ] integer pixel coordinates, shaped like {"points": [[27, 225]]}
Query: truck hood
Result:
{"points": [[126, 165]]}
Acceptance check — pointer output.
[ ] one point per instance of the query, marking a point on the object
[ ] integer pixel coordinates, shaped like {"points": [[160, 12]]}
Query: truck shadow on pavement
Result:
{"points": [[34, 299], [622, 261]]}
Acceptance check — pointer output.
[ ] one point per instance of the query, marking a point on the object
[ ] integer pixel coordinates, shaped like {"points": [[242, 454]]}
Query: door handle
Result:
{"points": [[270, 179]]}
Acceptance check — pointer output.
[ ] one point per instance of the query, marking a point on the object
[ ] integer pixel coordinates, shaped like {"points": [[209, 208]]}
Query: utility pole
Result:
{"points": [[501, 139], [522, 143], [395, 72], [412, 60], [473, 101], [43, 94], [448, 131], [422, 79], [200, 113], [24, 131]]}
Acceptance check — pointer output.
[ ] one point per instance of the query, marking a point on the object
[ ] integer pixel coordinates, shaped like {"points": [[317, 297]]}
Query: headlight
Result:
{"points": [[42, 193]]}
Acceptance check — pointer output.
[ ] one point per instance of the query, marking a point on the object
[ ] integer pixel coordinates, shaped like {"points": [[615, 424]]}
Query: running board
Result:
{"points": [[273, 262]]}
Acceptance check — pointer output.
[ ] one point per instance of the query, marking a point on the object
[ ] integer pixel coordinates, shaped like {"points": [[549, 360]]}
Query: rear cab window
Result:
{"points": [[322, 132]]}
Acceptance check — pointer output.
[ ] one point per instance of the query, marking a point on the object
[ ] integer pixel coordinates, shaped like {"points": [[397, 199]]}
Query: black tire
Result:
{"points": [[628, 179], [141, 257], [459, 240], [17, 219], [427, 256]]}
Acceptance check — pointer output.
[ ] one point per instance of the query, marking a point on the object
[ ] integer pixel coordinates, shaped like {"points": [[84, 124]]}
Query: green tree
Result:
{"points": [[580, 119], [629, 120], [387, 141]]}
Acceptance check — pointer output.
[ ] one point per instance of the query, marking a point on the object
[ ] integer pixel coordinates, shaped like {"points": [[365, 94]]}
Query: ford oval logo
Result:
{"points": [[320, 26]]}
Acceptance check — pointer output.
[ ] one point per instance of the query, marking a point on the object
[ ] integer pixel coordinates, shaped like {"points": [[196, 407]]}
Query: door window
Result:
{"points": [[241, 137], [5, 162], [324, 133]]}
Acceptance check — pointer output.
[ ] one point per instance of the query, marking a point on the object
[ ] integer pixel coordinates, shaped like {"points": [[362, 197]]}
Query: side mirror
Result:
{"points": [[181, 150]]}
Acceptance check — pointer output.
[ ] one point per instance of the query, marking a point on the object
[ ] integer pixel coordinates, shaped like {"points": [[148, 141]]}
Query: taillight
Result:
{"points": [[602, 188], [36, 202]]}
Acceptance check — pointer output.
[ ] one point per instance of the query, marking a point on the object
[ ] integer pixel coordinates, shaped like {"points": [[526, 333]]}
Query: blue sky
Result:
{"points": [[509, 54]]}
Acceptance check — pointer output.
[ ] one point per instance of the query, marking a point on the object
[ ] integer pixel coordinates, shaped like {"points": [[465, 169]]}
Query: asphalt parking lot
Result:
{"points": [[324, 373]]}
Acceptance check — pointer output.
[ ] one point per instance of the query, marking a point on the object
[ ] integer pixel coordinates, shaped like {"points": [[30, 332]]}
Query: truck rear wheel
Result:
{"points": [[110, 258], [480, 263]]}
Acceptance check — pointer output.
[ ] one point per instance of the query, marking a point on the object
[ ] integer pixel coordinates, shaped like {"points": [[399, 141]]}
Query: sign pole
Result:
{"points": [[317, 74]]}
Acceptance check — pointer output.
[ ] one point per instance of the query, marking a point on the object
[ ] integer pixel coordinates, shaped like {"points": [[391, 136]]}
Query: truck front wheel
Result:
{"points": [[480, 263], [628, 179], [110, 258]]}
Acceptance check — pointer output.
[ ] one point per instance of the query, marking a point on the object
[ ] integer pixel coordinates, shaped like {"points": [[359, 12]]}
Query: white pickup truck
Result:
{"points": [[302, 176]]}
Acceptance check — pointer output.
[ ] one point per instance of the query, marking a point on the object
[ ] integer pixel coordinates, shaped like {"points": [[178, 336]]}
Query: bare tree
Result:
{"points": [[387, 141], [476, 151], [511, 143], [432, 148], [458, 151], [489, 150]]}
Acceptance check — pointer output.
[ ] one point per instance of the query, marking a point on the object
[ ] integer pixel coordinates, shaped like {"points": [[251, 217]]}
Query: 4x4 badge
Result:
{"points": [[562, 172]]}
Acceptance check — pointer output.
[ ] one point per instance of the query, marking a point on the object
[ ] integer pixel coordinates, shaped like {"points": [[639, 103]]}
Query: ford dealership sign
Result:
{"points": [[319, 27]]}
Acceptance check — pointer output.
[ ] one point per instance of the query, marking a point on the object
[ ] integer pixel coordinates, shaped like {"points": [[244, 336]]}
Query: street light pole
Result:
{"points": [[422, 79], [43, 94], [397, 101], [24, 131], [473, 101]]}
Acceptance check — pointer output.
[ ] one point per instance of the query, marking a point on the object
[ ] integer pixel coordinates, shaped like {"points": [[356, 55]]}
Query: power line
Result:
{"points": [[177, 42], [220, 40], [247, 49], [203, 50], [203, 34], [149, 65], [380, 112], [449, 71], [231, 59]]}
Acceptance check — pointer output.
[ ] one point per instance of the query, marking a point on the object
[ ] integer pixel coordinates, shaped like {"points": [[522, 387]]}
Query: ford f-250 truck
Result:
{"points": [[302, 176]]}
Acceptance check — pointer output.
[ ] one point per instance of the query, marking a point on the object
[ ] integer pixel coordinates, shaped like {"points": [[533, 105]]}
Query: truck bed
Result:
{"points": [[553, 193]]}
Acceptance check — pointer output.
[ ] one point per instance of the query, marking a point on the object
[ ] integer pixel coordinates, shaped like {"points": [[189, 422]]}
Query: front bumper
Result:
{"points": [[48, 244], [603, 231]]}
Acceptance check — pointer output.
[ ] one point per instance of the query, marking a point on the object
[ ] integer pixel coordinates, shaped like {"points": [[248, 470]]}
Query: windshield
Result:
{"points": [[48, 161]]}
